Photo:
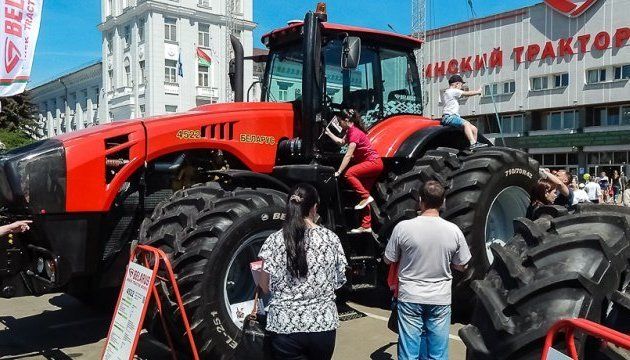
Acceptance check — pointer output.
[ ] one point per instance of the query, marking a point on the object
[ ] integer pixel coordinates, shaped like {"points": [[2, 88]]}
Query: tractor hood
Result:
{"points": [[100, 159]]}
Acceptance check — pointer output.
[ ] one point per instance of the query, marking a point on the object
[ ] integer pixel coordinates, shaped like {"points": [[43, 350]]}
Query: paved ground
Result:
{"points": [[58, 327]]}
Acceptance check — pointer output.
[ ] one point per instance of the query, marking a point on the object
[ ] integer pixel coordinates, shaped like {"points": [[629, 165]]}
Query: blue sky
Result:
{"points": [[69, 38]]}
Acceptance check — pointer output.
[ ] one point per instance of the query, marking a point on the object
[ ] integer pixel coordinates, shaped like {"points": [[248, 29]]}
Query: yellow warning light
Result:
{"points": [[321, 8]]}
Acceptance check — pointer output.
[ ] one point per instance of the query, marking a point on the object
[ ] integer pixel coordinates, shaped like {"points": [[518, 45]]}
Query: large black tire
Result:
{"points": [[201, 241], [474, 180], [569, 266]]}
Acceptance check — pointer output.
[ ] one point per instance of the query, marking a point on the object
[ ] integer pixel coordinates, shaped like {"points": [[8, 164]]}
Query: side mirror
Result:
{"points": [[351, 52]]}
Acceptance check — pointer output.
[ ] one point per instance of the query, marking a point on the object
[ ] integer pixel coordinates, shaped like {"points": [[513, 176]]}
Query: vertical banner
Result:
{"points": [[20, 27]]}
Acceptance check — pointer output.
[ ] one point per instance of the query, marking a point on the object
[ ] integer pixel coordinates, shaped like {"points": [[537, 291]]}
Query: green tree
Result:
{"points": [[18, 121]]}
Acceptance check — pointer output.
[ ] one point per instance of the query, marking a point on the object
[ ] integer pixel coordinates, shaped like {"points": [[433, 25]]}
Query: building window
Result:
{"points": [[595, 76], [142, 111], [504, 88], [203, 78], [170, 29], [110, 43], [171, 108], [625, 115], [143, 77], [237, 6], [562, 120], [84, 100], [128, 81], [127, 36], [540, 83], [487, 90], [622, 72], [561, 80], [141, 23], [110, 76], [611, 116], [204, 35], [170, 71], [509, 87], [97, 90], [204, 3], [512, 123]]}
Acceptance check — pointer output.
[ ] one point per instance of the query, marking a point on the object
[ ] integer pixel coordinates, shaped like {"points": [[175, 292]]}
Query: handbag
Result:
{"points": [[253, 342], [392, 323]]}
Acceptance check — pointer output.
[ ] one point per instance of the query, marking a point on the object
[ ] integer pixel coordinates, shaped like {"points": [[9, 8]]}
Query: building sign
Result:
{"points": [[569, 140], [570, 8], [528, 53]]}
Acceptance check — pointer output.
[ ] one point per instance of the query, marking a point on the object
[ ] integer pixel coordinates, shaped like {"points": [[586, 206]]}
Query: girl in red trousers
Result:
{"points": [[365, 164]]}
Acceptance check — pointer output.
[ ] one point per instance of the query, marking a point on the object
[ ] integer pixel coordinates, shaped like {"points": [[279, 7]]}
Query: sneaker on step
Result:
{"points": [[477, 145], [361, 230], [364, 203]]}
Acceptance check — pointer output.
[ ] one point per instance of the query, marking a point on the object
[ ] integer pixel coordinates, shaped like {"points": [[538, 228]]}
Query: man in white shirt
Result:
{"points": [[426, 248], [594, 191], [451, 116]]}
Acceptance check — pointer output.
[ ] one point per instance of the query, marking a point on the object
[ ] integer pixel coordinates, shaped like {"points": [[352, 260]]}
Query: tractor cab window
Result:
{"points": [[285, 75], [401, 85], [385, 82], [397, 90]]}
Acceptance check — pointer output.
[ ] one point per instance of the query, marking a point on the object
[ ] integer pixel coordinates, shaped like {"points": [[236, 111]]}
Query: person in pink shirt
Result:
{"points": [[365, 164]]}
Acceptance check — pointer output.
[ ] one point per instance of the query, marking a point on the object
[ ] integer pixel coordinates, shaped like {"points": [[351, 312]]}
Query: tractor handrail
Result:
{"points": [[588, 327]]}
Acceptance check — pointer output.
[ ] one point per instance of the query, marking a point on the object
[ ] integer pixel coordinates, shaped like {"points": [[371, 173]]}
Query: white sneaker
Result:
{"points": [[361, 230], [364, 203]]}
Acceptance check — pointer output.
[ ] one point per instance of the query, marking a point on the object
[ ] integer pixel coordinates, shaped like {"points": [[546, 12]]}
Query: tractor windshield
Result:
{"points": [[385, 82]]}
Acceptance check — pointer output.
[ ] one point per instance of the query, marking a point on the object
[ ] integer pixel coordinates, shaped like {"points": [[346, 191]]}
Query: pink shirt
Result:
{"points": [[364, 150]]}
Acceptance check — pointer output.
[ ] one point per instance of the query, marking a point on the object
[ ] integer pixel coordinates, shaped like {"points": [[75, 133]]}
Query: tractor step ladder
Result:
{"points": [[568, 326]]}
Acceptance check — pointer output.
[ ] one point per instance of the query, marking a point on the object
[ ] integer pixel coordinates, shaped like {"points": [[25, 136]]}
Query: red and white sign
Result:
{"points": [[570, 8], [563, 48], [20, 27], [132, 306]]}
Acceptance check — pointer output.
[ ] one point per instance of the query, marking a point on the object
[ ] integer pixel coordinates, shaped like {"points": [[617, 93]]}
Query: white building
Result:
{"points": [[70, 102], [151, 52], [561, 84]]}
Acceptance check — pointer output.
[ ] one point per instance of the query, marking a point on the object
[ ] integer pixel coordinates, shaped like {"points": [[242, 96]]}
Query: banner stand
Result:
{"points": [[136, 292]]}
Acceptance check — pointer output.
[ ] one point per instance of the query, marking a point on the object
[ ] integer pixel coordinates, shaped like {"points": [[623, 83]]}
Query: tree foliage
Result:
{"points": [[18, 120]]}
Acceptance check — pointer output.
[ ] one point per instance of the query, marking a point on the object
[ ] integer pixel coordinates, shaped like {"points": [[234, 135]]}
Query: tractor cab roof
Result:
{"points": [[292, 32]]}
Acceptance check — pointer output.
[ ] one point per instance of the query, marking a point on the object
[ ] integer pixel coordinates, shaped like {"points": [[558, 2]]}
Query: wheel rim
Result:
{"points": [[509, 204], [238, 284]]}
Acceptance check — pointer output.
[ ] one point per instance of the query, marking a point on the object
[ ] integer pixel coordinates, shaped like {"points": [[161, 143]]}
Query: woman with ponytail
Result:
{"points": [[303, 265], [366, 164]]}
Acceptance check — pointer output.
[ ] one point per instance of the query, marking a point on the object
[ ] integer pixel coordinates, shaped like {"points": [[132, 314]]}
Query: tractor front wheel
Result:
{"points": [[210, 253]]}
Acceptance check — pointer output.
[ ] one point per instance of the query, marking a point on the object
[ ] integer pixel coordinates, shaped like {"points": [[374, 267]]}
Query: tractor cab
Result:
{"points": [[323, 67]]}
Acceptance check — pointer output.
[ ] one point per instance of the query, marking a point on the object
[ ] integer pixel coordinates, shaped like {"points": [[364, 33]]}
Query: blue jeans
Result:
{"points": [[452, 120], [423, 331]]}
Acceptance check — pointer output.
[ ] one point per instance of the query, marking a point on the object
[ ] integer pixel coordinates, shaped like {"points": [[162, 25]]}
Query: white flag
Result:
{"points": [[20, 27]]}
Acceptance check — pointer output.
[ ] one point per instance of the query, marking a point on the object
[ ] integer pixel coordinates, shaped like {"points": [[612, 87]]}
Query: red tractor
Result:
{"points": [[209, 185]]}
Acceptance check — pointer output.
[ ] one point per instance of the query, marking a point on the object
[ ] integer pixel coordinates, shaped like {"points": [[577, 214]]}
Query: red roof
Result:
{"points": [[380, 36]]}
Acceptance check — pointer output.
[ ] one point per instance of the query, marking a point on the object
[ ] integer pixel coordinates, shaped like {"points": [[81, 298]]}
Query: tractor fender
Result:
{"points": [[246, 178], [433, 137]]}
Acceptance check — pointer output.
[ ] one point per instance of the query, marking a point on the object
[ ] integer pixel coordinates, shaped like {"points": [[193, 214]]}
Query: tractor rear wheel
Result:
{"points": [[210, 247], [486, 189], [569, 266]]}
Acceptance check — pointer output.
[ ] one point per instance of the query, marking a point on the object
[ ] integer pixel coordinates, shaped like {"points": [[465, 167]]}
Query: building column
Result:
{"points": [[78, 117]]}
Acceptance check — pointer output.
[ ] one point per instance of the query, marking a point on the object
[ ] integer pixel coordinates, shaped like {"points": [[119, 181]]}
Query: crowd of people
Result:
{"points": [[559, 187]]}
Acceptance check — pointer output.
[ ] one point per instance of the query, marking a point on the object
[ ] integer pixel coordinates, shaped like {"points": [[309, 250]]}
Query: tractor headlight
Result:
{"points": [[34, 177]]}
